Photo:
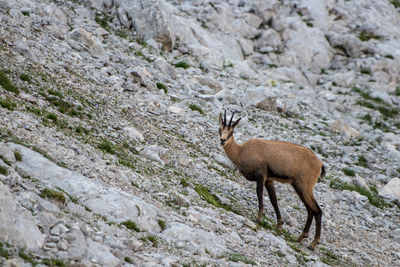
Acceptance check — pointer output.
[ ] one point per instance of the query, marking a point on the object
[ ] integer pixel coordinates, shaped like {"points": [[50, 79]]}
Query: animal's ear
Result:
{"points": [[221, 122], [235, 123]]}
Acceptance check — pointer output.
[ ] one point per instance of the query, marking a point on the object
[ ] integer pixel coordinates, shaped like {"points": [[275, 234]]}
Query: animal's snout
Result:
{"points": [[222, 141]]}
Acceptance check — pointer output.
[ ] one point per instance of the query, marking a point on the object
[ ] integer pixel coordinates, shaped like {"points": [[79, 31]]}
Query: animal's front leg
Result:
{"points": [[260, 188]]}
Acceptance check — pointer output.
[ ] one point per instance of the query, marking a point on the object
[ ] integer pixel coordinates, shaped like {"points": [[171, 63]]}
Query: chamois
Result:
{"points": [[266, 161]]}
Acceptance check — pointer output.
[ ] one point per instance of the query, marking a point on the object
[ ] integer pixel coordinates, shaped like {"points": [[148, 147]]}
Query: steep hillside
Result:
{"points": [[109, 150]]}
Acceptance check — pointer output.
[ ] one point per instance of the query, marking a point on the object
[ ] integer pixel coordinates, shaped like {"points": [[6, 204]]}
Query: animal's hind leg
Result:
{"points": [[310, 212], [269, 185], [318, 218], [260, 187]]}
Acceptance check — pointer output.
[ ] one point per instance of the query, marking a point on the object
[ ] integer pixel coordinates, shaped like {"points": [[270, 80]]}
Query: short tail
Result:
{"points": [[323, 172]]}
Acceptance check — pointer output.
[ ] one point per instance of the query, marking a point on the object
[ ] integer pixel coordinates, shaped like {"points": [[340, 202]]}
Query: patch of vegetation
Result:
{"points": [[140, 54], [8, 104], [371, 194], [3, 170], [106, 146], [365, 71], [25, 77], [7, 84], [122, 34], [397, 91], [184, 182], [131, 225], [128, 260], [362, 161], [162, 86], [55, 93], [235, 257], [181, 64], [34, 110], [194, 107], [395, 3], [17, 155], [267, 224], [329, 257], [151, 238], [26, 13], [103, 19], [53, 194], [3, 252], [212, 199], [81, 130], [389, 56], [162, 224], [54, 262], [366, 36], [349, 172], [52, 116], [309, 24]]}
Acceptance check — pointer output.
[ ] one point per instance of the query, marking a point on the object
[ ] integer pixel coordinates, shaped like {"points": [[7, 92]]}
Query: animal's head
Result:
{"points": [[226, 130]]}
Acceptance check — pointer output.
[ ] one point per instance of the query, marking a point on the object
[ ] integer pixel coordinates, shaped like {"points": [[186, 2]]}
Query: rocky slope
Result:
{"points": [[109, 153]]}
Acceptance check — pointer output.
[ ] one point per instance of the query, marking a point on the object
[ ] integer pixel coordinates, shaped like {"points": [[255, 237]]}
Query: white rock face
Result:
{"points": [[101, 254], [149, 18], [133, 134], [194, 239], [109, 202], [17, 226], [392, 189], [342, 128]]}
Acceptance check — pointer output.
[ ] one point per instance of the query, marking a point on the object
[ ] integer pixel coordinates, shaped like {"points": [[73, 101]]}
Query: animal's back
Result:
{"points": [[279, 158]]}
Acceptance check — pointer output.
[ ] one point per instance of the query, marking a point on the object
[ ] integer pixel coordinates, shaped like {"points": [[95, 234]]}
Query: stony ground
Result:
{"points": [[109, 152]]}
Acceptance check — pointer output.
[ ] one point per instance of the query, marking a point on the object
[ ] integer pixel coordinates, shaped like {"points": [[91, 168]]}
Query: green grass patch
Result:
{"points": [[106, 146], [366, 36], [7, 84], [128, 260], [131, 225], [235, 257], [365, 71], [17, 155], [184, 182], [3, 170], [8, 104], [25, 77], [362, 161], [55, 93], [371, 193], [395, 3], [349, 172], [54, 262], [212, 199], [388, 112], [162, 224], [397, 91], [195, 107], [151, 238], [329, 257], [4, 252], [181, 64], [34, 110], [53, 194], [162, 86], [81, 130], [52, 116], [103, 20]]}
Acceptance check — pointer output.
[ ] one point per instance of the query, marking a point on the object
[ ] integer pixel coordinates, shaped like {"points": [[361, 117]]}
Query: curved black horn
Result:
{"points": [[230, 122], [225, 117]]}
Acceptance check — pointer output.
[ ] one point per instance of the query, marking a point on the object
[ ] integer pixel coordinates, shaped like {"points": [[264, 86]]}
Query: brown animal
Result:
{"points": [[266, 161]]}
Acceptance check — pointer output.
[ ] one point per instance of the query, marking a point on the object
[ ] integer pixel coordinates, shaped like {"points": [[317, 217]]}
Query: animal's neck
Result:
{"points": [[232, 150]]}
